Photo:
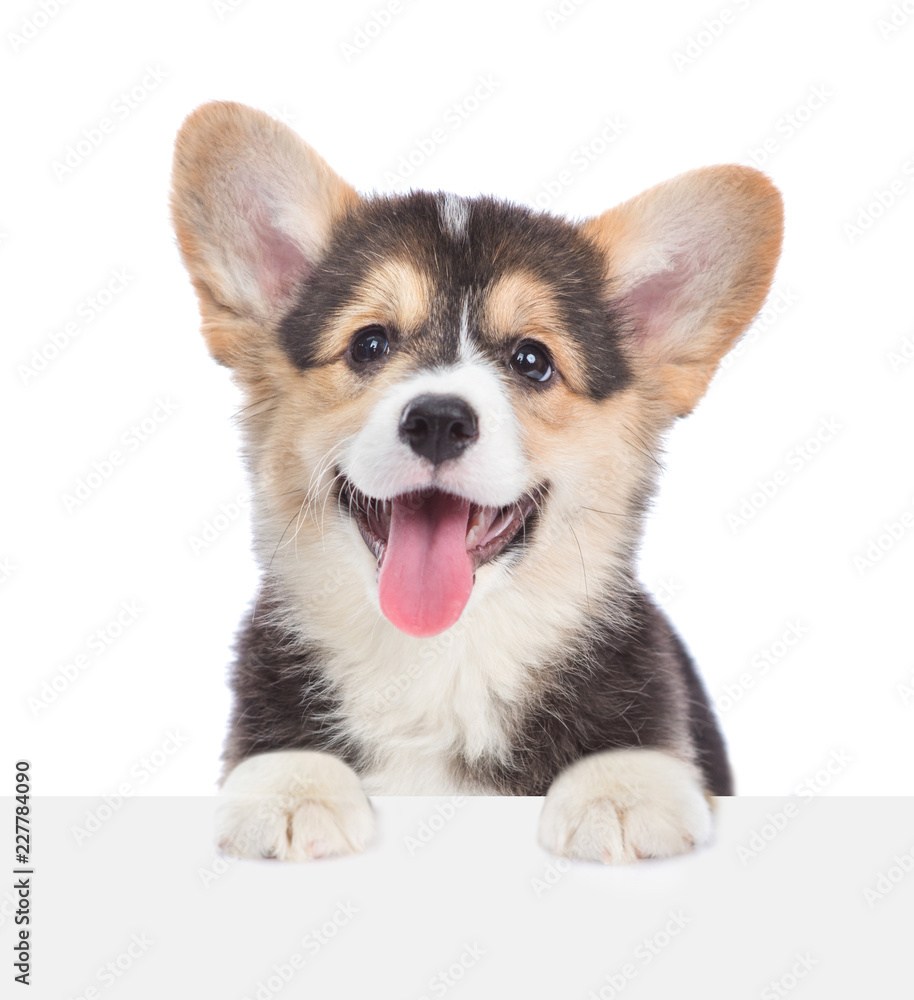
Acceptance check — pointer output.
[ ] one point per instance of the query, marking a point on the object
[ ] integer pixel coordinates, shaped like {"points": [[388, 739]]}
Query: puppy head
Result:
{"points": [[458, 396]]}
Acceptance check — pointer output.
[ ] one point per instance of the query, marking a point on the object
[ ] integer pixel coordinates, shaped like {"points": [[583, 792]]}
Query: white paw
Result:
{"points": [[294, 805], [622, 805]]}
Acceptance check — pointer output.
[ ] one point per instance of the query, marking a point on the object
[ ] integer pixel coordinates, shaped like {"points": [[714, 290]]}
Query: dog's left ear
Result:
{"points": [[253, 207], [689, 263]]}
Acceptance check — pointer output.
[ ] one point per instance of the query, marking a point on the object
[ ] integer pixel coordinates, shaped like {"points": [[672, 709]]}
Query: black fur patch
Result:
{"points": [[501, 239], [281, 701], [616, 692]]}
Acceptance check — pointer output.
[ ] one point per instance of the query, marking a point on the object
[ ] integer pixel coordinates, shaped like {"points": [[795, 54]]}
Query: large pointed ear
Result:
{"points": [[689, 263], [253, 207]]}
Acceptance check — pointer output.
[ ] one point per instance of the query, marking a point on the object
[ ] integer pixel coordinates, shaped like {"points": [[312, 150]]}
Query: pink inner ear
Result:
{"points": [[656, 303], [277, 262]]}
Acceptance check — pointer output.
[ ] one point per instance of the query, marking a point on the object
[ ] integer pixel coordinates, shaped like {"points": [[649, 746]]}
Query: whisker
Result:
{"points": [[281, 537], [324, 507], [583, 567], [320, 468], [297, 527], [596, 510], [257, 402]]}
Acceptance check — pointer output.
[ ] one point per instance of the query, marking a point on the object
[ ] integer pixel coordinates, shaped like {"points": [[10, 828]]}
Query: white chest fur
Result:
{"points": [[415, 705]]}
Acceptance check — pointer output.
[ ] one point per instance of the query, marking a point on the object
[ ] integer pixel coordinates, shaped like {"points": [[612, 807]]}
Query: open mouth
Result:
{"points": [[429, 545]]}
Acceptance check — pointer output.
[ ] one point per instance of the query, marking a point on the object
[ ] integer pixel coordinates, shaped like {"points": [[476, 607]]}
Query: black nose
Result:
{"points": [[438, 427]]}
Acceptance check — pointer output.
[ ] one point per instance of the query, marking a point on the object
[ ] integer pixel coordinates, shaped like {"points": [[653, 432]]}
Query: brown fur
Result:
{"points": [[641, 238], [395, 294], [217, 143], [521, 306]]}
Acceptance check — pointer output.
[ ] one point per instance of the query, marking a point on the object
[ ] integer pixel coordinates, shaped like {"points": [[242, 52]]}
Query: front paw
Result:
{"points": [[622, 805], [293, 805]]}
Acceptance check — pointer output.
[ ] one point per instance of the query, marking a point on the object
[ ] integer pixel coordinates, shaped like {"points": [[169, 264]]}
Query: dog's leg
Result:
{"points": [[294, 805], [622, 805]]}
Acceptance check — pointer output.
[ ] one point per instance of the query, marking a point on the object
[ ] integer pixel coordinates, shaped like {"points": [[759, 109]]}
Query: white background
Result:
{"points": [[687, 85]]}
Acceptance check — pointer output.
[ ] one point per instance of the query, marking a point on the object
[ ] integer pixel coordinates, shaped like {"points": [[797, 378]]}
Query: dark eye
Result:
{"points": [[369, 344], [532, 359]]}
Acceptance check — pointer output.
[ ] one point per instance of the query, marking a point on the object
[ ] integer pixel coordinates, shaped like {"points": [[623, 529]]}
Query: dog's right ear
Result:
{"points": [[690, 262], [253, 207]]}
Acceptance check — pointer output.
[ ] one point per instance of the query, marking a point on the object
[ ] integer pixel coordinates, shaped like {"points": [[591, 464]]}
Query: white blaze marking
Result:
{"points": [[464, 331], [454, 213]]}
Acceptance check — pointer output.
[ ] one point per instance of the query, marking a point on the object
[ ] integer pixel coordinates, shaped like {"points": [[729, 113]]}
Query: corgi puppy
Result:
{"points": [[455, 411]]}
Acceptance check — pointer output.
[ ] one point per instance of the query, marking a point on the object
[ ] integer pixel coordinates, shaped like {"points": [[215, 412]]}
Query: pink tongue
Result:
{"points": [[426, 573]]}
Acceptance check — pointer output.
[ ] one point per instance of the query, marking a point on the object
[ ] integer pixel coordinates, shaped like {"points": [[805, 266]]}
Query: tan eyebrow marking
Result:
{"points": [[394, 293], [520, 305]]}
